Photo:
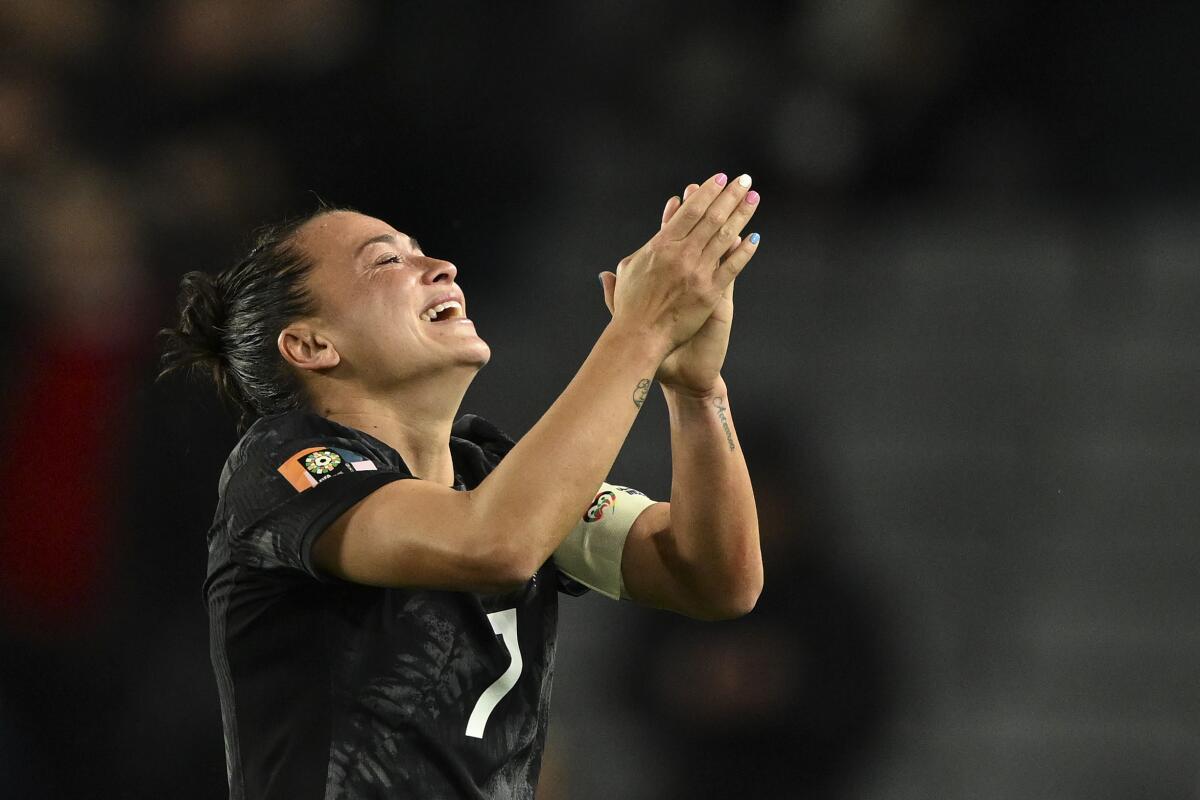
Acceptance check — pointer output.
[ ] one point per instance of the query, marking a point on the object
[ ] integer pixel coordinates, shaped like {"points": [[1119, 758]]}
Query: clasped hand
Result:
{"points": [[701, 244]]}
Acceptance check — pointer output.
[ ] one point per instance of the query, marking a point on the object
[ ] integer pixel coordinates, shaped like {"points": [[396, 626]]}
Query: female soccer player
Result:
{"points": [[382, 580]]}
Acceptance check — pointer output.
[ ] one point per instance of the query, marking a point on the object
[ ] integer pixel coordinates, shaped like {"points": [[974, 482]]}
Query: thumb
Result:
{"points": [[608, 280]]}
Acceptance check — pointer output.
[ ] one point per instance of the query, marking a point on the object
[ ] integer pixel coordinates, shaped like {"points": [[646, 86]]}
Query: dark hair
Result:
{"points": [[229, 325]]}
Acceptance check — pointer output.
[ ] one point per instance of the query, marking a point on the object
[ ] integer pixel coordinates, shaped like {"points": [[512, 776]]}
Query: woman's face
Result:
{"points": [[377, 295]]}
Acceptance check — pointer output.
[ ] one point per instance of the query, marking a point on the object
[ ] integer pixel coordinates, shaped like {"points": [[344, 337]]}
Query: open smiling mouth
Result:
{"points": [[443, 312]]}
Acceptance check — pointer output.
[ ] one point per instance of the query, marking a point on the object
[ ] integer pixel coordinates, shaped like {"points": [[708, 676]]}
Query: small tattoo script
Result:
{"points": [[640, 392], [724, 421]]}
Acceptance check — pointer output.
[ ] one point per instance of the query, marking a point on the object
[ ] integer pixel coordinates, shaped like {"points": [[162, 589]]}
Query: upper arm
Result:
{"points": [[325, 505], [649, 562], [416, 533]]}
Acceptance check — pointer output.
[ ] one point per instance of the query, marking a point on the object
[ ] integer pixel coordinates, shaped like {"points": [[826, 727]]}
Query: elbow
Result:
{"points": [[748, 585], [732, 584], [507, 568], [736, 592], [745, 601], [730, 607], [499, 560], [732, 602]]}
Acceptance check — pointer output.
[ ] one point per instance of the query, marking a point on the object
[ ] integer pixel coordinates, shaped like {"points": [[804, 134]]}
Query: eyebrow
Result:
{"points": [[388, 238]]}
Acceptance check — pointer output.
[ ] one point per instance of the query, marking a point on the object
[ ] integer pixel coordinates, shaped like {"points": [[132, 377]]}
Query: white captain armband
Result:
{"points": [[591, 553]]}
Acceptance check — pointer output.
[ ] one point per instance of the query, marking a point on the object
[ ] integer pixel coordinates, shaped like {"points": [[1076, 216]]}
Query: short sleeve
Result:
{"points": [[286, 491]]}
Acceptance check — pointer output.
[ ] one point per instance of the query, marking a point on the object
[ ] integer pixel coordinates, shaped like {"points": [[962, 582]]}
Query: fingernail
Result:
{"points": [[600, 278], [745, 181], [722, 179], [752, 197], [754, 237]]}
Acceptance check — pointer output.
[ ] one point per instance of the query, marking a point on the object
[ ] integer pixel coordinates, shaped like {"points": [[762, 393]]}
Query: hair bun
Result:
{"points": [[198, 339], [229, 324]]}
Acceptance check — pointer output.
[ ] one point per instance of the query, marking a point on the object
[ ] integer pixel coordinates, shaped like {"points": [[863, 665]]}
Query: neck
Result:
{"points": [[413, 418]]}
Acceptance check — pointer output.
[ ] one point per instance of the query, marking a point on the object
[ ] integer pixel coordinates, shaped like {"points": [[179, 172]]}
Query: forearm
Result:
{"points": [[714, 523], [534, 496]]}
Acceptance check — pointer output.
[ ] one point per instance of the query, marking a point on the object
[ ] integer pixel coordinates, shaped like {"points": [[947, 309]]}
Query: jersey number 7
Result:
{"points": [[504, 623]]}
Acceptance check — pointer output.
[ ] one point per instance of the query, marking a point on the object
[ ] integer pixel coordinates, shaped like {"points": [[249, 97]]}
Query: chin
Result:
{"points": [[474, 353], [481, 354]]}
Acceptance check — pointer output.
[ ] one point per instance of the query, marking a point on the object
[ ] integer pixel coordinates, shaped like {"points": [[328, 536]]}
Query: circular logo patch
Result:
{"points": [[322, 462], [603, 502]]}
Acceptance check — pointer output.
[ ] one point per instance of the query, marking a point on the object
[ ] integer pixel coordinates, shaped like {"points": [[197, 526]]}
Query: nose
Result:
{"points": [[439, 271]]}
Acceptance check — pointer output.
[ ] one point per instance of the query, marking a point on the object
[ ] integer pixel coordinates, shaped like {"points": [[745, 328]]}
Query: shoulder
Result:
{"points": [[273, 443], [288, 478]]}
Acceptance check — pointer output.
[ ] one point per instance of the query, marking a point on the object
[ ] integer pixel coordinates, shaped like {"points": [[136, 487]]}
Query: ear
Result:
{"points": [[304, 348]]}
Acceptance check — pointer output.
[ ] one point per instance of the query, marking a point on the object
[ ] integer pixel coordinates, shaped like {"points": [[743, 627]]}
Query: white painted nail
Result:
{"points": [[744, 181]]}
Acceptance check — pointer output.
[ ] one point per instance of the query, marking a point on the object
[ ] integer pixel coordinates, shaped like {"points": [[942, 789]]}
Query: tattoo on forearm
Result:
{"points": [[640, 392], [724, 421]]}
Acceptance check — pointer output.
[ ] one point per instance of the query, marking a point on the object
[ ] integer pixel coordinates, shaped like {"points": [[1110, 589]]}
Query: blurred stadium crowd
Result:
{"points": [[964, 369]]}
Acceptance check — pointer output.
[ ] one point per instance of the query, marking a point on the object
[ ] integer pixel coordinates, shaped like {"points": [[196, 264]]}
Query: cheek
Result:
{"points": [[375, 320], [383, 330]]}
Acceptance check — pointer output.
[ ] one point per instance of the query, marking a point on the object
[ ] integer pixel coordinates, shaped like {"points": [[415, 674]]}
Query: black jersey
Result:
{"points": [[331, 689]]}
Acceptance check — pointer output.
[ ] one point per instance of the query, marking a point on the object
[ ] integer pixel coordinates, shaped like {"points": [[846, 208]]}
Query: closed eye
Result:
{"points": [[392, 259]]}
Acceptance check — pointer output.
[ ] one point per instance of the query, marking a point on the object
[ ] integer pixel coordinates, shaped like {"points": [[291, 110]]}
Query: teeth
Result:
{"points": [[430, 313]]}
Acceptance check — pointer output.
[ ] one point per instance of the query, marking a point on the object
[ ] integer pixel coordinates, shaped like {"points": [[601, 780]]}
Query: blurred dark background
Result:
{"points": [[964, 366]]}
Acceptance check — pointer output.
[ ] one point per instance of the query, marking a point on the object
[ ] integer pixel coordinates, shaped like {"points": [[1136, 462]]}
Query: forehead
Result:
{"points": [[340, 234], [340, 229]]}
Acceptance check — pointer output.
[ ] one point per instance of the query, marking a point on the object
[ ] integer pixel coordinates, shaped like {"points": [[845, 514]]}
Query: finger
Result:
{"points": [[736, 241], [722, 241], [609, 282], [671, 207], [674, 203], [732, 266], [718, 213], [694, 208]]}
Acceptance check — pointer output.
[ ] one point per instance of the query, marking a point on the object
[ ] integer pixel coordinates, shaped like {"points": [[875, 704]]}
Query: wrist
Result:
{"points": [[693, 393], [645, 339]]}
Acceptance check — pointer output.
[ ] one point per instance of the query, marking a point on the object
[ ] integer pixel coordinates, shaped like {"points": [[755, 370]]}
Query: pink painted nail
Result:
{"points": [[752, 197], [722, 179]]}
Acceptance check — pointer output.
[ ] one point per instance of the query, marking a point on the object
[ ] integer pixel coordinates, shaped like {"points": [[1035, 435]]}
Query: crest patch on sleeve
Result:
{"points": [[314, 465]]}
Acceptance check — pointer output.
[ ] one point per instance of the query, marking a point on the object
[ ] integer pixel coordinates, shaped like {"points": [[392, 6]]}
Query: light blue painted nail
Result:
{"points": [[754, 237]]}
